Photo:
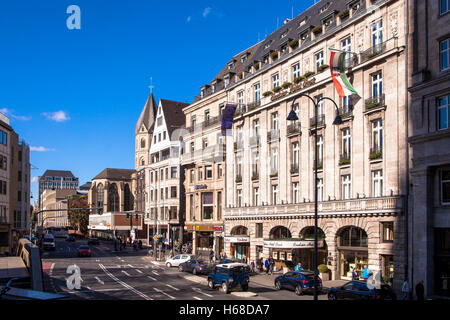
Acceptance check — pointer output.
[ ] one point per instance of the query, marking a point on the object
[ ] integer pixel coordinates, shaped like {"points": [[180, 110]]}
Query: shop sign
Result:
{"points": [[218, 228], [100, 222], [300, 244], [237, 239], [201, 186]]}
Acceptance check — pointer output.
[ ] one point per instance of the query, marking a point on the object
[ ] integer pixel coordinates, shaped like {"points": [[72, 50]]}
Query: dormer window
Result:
{"points": [[284, 49], [324, 8], [284, 34], [214, 87], [303, 22], [230, 66], [244, 58], [203, 92], [267, 45], [355, 5], [327, 21], [266, 59], [304, 35]]}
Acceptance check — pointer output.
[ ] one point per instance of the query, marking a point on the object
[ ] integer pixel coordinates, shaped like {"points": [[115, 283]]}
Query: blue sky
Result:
{"points": [[75, 95]]}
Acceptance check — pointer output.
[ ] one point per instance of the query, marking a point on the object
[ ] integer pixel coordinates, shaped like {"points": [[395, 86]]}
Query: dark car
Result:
{"points": [[195, 266], [358, 290], [229, 276], [70, 238], [93, 241], [84, 251], [299, 281]]}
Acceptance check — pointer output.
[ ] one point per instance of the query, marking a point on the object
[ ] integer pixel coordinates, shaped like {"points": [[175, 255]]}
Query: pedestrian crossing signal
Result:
{"points": [[128, 216], [137, 217]]}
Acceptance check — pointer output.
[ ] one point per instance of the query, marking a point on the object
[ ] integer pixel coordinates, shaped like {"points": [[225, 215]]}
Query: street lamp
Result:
{"points": [[338, 120]]}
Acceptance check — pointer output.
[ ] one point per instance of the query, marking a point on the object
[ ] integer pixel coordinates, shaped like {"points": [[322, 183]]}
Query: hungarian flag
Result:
{"points": [[337, 68], [227, 117]]}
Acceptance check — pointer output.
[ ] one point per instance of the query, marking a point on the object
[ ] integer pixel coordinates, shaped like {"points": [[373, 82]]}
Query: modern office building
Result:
{"points": [[56, 180]]}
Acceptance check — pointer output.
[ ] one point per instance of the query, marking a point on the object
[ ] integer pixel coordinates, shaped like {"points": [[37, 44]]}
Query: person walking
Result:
{"points": [[267, 265], [405, 290], [252, 264], [272, 265], [299, 267], [211, 256], [420, 290], [366, 273], [355, 275]]}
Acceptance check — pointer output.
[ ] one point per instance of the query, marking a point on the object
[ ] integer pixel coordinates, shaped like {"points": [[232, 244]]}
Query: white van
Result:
{"points": [[49, 242]]}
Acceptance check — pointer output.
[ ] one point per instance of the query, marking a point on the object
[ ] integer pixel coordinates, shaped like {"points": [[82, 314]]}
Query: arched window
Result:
{"points": [[128, 199], [353, 237], [280, 232], [142, 161], [142, 143], [308, 233], [100, 196], [239, 231], [113, 198]]}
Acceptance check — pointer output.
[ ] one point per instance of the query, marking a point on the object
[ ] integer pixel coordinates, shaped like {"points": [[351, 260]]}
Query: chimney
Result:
{"points": [[286, 20]]}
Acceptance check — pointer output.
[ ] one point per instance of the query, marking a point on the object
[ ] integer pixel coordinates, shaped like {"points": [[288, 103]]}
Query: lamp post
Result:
{"points": [[293, 117]]}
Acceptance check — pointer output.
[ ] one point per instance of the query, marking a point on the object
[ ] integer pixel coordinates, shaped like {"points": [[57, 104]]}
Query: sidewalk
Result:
{"points": [[266, 280]]}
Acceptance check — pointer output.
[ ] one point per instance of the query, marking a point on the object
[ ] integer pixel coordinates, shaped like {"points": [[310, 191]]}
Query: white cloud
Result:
{"points": [[188, 19], [41, 149], [34, 179], [10, 113], [58, 116], [206, 12]]}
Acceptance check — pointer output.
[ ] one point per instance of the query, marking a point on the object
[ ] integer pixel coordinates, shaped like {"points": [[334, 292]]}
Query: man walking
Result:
{"points": [[298, 267], [420, 289], [272, 264], [267, 265], [253, 266], [405, 290], [366, 273], [211, 256]]}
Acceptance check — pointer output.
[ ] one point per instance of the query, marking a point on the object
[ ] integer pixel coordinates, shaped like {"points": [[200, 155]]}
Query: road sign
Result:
{"points": [[155, 238]]}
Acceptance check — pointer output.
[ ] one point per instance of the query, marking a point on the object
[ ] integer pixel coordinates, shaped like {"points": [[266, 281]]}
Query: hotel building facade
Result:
{"points": [[362, 163]]}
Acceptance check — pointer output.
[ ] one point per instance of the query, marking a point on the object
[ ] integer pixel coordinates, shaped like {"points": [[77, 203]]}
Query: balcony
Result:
{"points": [[346, 112], [319, 164], [320, 120], [255, 176], [344, 159], [273, 134], [373, 52], [253, 105], [273, 173], [294, 129], [376, 153], [240, 110], [239, 145], [373, 103], [255, 141], [238, 178], [294, 168]]}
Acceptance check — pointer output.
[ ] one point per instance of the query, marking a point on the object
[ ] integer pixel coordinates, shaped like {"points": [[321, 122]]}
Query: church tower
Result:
{"points": [[143, 132]]}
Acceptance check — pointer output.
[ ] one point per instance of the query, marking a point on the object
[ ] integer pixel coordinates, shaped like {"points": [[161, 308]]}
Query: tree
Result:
{"points": [[78, 219]]}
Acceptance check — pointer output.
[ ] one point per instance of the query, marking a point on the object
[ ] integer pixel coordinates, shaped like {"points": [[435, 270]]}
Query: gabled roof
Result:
{"points": [[148, 114], [115, 174], [173, 114], [58, 173]]}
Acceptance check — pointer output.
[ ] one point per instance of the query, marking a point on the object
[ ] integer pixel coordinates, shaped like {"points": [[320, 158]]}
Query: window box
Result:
{"points": [[293, 128], [319, 166], [274, 55], [344, 160], [373, 54], [238, 179], [274, 175], [255, 176], [294, 169], [322, 67], [299, 79], [286, 85], [344, 14], [372, 105], [317, 30], [267, 93], [308, 74], [374, 102], [375, 153], [293, 44], [277, 89]]}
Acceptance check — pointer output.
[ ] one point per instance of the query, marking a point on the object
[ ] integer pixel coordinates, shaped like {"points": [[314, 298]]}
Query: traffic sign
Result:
{"points": [[155, 238]]}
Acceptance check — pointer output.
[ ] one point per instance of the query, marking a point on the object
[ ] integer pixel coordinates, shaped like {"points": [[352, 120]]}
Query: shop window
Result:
{"points": [[445, 187], [207, 206], [280, 233], [388, 231], [353, 237]]}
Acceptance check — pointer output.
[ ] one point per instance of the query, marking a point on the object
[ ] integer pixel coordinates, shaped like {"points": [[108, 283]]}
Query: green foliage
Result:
{"points": [[277, 89], [372, 105], [286, 85], [78, 219], [344, 161], [322, 67], [274, 55], [293, 44], [344, 13], [308, 74], [299, 79], [322, 268], [375, 155], [317, 29], [267, 93], [373, 54]]}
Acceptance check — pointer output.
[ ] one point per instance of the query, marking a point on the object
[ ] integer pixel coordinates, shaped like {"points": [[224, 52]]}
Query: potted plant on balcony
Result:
{"points": [[267, 93], [344, 14], [293, 171], [324, 272], [344, 161], [375, 155], [373, 54], [238, 179], [273, 175], [317, 30], [298, 79], [286, 85], [274, 55], [277, 89], [372, 105], [322, 67], [255, 177], [308, 74], [293, 44]]}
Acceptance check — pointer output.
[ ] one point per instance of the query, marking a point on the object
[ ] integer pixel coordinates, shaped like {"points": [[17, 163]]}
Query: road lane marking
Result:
{"points": [[106, 290], [100, 281], [123, 271], [197, 298], [155, 272], [152, 278], [200, 291], [130, 266], [156, 289], [168, 285], [138, 270], [124, 284]]}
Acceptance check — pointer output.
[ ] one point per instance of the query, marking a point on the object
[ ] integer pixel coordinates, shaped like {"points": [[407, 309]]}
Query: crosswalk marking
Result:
{"points": [[151, 278], [200, 291], [168, 285], [156, 289], [125, 272], [197, 298], [155, 272], [100, 281], [138, 270]]}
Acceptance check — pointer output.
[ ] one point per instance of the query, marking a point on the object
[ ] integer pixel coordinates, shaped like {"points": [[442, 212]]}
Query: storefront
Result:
{"points": [[4, 239], [109, 226], [353, 251], [239, 246], [288, 252], [442, 262]]}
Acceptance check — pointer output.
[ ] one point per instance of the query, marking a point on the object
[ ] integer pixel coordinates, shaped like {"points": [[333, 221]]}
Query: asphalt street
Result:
{"points": [[131, 275]]}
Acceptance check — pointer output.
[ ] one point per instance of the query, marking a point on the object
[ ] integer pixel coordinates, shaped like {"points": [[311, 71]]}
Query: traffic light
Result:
{"points": [[128, 216], [137, 217]]}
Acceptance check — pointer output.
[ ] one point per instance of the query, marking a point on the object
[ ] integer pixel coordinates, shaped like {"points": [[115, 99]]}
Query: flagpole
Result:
{"points": [[340, 50]]}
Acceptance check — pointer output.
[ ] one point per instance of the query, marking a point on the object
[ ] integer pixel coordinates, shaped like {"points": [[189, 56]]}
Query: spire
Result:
{"points": [[148, 114]]}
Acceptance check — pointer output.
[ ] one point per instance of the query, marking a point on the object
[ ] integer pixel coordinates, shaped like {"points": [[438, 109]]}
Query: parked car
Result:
{"points": [[299, 281], [229, 276], [48, 242], [176, 260], [84, 251], [358, 290], [195, 266], [93, 241], [70, 238]]}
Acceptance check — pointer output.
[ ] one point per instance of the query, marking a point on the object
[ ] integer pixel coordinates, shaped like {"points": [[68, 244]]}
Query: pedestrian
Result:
{"points": [[267, 265], [261, 264], [244, 259], [211, 256], [355, 275], [405, 290], [366, 273], [272, 265], [420, 289], [253, 266], [140, 244], [299, 267]]}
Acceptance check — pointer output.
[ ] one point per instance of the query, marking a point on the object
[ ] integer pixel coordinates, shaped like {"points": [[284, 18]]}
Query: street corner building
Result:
{"points": [[112, 196], [362, 162]]}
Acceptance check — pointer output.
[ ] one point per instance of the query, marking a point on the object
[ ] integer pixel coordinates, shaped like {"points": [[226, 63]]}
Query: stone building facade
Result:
{"points": [[362, 162], [429, 141]]}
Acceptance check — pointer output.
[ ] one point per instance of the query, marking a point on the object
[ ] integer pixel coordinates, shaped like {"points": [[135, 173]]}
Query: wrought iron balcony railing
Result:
{"points": [[273, 134], [255, 141], [294, 168], [294, 128], [374, 102], [376, 153], [320, 120], [373, 51]]}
